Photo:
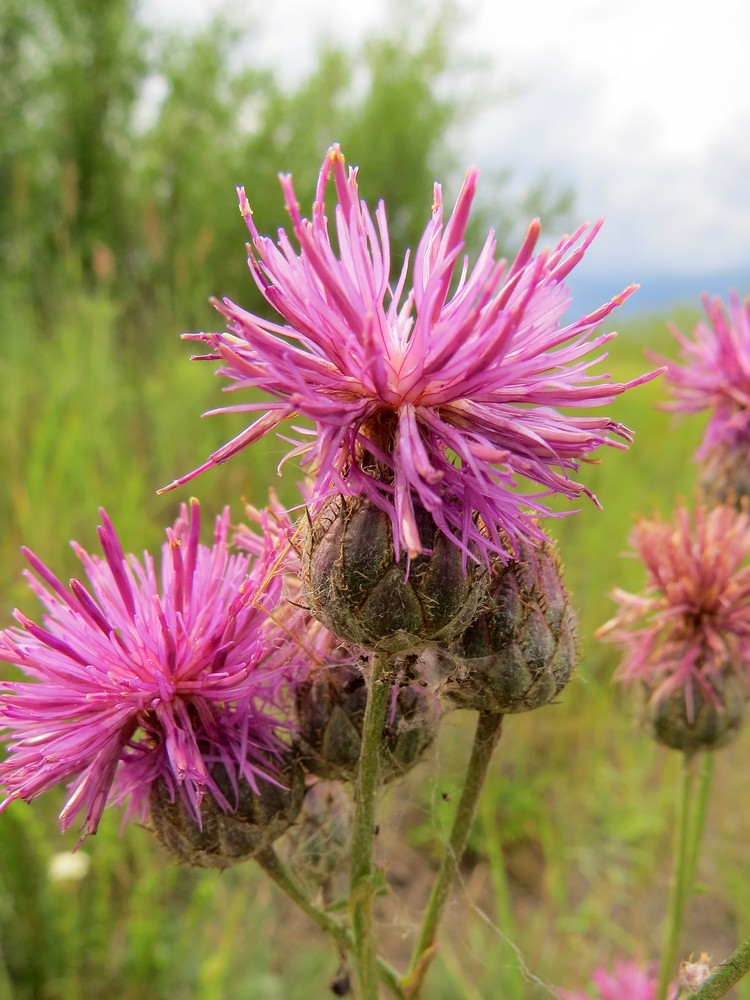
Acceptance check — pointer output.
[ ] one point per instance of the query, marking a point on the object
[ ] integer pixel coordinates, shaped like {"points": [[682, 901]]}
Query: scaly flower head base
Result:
{"points": [[439, 397]]}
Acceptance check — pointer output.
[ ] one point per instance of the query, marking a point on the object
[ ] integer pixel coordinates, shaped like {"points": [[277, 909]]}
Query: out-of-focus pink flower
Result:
{"points": [[692, 621], [440, 396], [146, 676], [629, 981], [714, 374]]}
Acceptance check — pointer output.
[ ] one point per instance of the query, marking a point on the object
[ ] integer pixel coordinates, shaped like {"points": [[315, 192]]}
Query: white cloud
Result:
{"points": [[643, 107]]}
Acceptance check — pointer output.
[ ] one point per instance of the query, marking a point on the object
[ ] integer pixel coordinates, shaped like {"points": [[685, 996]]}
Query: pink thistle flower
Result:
{"points": [[692, 621], [145, 676], [714, 374], [438, 397], [628, 982]]}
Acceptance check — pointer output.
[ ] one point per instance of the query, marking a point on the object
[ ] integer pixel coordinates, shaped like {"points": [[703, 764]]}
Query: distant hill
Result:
{"points": [[659, 293]]}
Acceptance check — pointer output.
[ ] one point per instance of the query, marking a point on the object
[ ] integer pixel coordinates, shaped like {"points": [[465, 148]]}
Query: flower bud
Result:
{"points": [[725, 477], [521, 650], [319, 841], [223, 839], [331, 706], [707, 720], [354, 585], [410, 729], [694, 974]]}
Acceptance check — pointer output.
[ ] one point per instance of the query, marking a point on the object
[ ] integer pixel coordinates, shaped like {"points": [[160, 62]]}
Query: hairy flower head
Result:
{"points": [[693, 618], [145, 676], [438, 396], [714, 374]]}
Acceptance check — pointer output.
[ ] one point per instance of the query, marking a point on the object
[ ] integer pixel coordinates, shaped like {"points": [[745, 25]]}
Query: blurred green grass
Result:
{"points": [[575, 821]]}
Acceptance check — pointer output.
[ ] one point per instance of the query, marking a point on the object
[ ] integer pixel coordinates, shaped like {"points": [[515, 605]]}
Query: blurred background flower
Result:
{"points": [[628, 981], [713, 375], [67, 867], [686, 636]]}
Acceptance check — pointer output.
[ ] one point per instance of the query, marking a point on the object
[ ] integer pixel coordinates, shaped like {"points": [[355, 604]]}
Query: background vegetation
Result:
{"points": [[119, 151]]}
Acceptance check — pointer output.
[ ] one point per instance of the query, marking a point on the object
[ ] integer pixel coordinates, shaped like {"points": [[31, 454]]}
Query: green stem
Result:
{"points": [[362, 882], [680, 888], [699, 819], [273, 867], [487, 734], [730, 971]]}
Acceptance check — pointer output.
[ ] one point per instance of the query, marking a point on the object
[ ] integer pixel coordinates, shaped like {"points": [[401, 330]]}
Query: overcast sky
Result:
{"points": [[642, 106]]}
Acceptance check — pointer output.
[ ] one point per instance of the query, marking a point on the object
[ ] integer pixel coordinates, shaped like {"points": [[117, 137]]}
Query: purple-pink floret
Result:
{"points": [[714, 374], [629, 981], [146, 675], [315, 644], [440, 396]]}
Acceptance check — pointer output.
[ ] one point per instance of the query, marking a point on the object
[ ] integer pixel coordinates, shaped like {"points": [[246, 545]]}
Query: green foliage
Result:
{"points": [[121, 148], [71, 82], [135, 924], [87, 425], [406, 112]]}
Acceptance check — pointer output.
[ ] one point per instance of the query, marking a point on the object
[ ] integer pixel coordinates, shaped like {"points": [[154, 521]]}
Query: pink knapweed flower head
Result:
{"points": [[145, 676], [714, 374], [629, 981], [437, 396], [692, 621]]}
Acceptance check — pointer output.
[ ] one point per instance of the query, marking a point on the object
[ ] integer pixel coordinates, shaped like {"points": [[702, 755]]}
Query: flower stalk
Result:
{"points": [[681, 875], [362, 880], [698, 824], [489, 726], [272, 865]]}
